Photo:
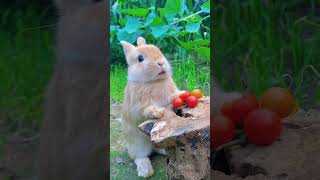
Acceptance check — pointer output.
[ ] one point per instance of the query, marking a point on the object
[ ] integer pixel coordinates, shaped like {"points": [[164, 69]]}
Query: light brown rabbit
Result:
{"points": [[149, 89], [73, 141]]}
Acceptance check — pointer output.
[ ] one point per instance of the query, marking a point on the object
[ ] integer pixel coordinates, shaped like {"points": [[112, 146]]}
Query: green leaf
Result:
{"points": [[173, 7], [192, 27], [157, 31], [150, 19], [162, 12], [122, 22], [140, 12], [202, 42], [194, 19], [186, 45], [112, 29], [206, 7], [157, 21], [194, 44], [182, 33], [204, 51], [123, 35], [132, 25]]}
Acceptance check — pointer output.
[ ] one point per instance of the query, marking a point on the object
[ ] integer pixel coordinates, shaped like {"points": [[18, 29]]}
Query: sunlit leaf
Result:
{"points": [[206, 7], [204, 51], [157, 21], [140, 12]]}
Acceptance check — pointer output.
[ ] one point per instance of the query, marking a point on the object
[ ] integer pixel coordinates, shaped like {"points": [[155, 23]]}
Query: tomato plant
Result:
{"points": [[197, 93], [192, 101], [262, 126], [177, 102], [222, 130], [279, 100]]}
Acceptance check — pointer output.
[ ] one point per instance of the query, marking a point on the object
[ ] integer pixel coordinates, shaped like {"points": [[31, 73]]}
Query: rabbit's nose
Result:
{"points": [[160, 63]]}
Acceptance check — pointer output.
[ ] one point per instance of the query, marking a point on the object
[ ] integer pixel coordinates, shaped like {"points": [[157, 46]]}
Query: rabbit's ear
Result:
{"points": [[127, 47], [141, 41]]}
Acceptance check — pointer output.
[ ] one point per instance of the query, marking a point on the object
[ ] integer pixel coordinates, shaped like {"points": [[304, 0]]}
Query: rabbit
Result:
{"points": [[73, 144], [149, 89]]}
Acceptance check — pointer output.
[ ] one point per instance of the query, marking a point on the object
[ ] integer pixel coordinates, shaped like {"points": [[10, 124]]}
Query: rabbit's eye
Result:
{"points": [[140, 58]]}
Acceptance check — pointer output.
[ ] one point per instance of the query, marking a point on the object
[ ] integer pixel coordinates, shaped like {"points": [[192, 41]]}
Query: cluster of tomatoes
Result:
{"points": [[191, 99], [260, 119]]}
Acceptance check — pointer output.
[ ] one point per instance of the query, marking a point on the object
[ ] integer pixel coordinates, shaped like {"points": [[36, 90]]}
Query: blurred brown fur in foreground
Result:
{"points": [[73, 143]]}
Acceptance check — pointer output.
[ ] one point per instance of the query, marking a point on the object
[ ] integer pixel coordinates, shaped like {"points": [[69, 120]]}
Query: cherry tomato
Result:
{"points": [[262, 126], [240, 108], [177, 102], [185, 95], [192, 101], [279, 100], [222, 130], [197, 93], [227, 110]]}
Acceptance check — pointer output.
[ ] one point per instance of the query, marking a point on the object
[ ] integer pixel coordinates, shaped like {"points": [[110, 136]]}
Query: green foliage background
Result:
{"points": [[259, 44], [26, 61]]}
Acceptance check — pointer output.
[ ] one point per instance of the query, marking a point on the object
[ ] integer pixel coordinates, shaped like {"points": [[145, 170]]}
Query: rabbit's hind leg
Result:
{"points": [[140, 149], [144, 167]]}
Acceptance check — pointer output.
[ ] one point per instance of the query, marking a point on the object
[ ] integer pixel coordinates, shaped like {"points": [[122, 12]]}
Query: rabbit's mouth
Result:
{"points": [[162, 72]]}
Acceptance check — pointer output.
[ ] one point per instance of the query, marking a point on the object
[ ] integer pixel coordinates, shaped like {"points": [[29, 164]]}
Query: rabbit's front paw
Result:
{"points": [[158, 113]]}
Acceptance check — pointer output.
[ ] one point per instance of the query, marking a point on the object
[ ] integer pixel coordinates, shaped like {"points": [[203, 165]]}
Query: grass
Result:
{"points": [[260, 44], [126, 169], [26, 62]]}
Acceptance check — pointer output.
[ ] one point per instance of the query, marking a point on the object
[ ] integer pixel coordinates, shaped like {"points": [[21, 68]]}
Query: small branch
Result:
{"points": [[185, 18]]}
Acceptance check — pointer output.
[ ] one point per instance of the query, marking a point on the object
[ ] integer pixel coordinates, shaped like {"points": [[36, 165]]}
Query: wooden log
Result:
{"points": [[185, 139]]}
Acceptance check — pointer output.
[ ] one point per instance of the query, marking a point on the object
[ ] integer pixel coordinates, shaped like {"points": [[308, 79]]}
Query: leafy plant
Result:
{"points": [[183, 25]]}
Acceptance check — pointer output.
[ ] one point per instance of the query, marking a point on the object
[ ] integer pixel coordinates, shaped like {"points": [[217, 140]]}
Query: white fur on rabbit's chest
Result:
{"points": [[156, 96], [145, 95]]}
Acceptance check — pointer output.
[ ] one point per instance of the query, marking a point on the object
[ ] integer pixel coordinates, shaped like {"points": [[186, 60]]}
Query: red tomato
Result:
{"points": [[192, 101], [227, 110], [177, 102], [185, 95], [262, 126], [222, 130], [279, 100], [240, 108]]}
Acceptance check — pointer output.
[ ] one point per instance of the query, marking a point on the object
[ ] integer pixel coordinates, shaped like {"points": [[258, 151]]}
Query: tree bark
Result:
{"points": [[185, 139]]}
